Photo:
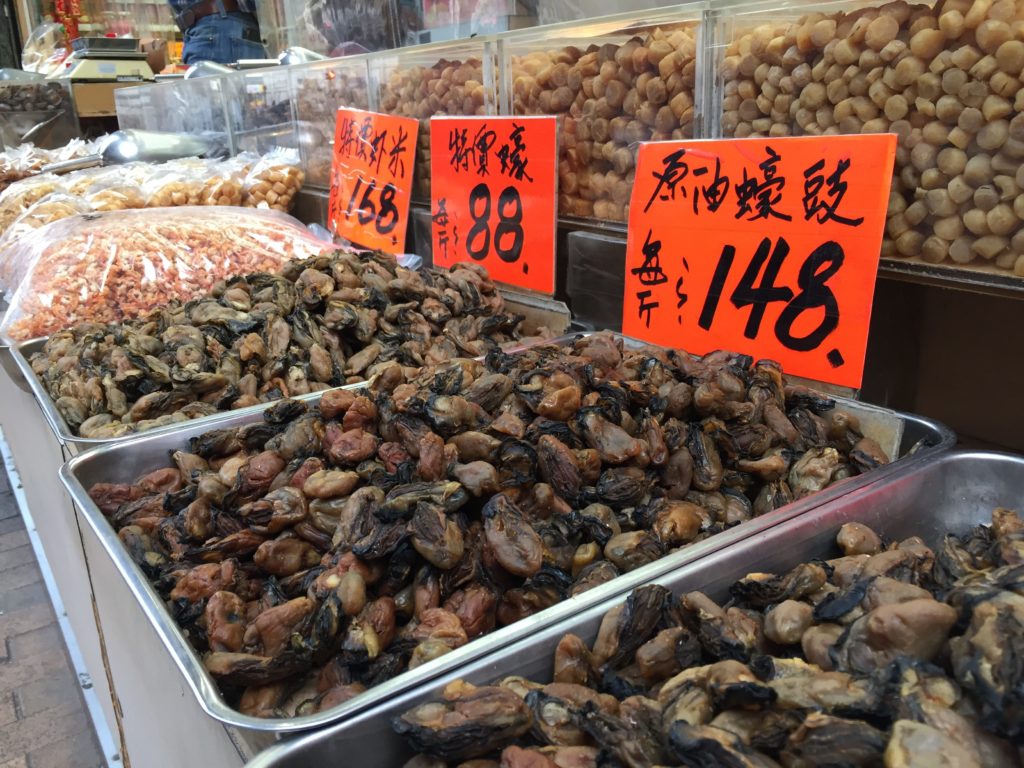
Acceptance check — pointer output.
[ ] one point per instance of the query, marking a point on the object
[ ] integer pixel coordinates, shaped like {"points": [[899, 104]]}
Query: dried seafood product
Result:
{"points": [[332, 546], [105, 267], [323, 322], [895, 656]]}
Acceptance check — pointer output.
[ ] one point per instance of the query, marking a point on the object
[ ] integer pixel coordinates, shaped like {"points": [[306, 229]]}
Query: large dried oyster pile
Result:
{"points": [[329, 547], [323, 322], [895, 656]]}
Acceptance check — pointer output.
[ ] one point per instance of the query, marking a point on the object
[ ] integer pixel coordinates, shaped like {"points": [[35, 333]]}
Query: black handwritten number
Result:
{"points": [[760, 296], [510, 217], [481, 222], [814, 294], [385, 219], [367, 209], [355, 194], [707, 313], [388, 210], [509, 225], [757, 289]]}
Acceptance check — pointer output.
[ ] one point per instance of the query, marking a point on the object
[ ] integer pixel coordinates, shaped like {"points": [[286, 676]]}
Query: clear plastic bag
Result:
{"points": [[225, 183], [45, 50], [107, 267], [174, 185], [54, 207], [22, 195], [274, 180], [113, 195]]}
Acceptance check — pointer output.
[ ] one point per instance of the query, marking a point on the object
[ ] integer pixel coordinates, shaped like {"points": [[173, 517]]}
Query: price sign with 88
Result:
{"points": [[769, 247], [371, 178], [493, 196]]}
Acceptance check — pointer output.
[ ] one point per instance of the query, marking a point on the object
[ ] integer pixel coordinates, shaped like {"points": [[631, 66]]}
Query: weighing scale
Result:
{"points": [[98, 66]]}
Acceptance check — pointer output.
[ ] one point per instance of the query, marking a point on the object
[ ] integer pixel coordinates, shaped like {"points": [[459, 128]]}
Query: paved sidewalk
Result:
{"points": [[43, 719]]}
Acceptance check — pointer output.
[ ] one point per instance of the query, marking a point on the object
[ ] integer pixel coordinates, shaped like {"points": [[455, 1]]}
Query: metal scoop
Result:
{"points": [[146, 146]]}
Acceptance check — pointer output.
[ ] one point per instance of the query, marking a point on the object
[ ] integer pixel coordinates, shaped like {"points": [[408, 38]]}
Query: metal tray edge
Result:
{"points": [[206, 691], [286, 748]]}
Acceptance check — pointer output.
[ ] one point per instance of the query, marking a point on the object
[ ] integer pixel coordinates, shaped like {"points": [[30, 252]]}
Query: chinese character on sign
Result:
{"points": [[348, 139], [715, 192], [483, 141], [826, 209], [759, 198], [650, 272], [371, 143], [397, 153], [646, 307], [513, 156], [440, 219], [675, 169], [461, 148], [672, 173]]}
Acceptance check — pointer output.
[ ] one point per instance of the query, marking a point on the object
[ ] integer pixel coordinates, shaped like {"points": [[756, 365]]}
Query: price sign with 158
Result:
{"points": [[371, 178], [493, 196], [768, 247]]}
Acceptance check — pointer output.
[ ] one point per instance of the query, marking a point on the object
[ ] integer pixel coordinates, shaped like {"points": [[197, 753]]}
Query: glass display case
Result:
{"points": [[445, 79], [180, 106], [944, 79], [335, 28], [947, 82], [614, 83], [319, 89], [37, 111], [261, 109]]}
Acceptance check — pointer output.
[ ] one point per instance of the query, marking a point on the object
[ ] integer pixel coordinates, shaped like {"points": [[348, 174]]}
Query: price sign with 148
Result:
{"points": [[371, 178], [493, 196], [769, 247]]}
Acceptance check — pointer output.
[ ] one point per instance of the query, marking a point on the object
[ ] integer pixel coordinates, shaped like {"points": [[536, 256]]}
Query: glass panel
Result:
{"points": [[944, 79], [321, 88], [453, 79], [261, 109], [614, 83]]}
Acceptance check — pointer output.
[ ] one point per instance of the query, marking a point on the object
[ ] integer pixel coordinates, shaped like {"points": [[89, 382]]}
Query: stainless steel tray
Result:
{"points": [[126, 461], [23, 351], [538, 310], [949, 494]]}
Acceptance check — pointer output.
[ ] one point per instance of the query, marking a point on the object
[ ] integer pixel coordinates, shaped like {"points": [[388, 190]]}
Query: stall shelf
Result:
{"points": [[911, 439]]}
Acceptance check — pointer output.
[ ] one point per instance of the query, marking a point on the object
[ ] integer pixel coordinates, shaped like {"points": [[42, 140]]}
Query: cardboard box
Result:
{"points": [[96, 99]]}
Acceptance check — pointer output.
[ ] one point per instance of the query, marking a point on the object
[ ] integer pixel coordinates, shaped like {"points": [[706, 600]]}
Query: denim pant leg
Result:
{"points": [[221, 39]]}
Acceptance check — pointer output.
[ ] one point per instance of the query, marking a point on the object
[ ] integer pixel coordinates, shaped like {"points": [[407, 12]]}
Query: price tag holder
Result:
{"points": [[767, 247], [371, 178], [493, 184]]}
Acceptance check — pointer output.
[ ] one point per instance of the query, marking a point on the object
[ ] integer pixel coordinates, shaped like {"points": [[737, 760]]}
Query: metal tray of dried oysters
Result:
{"points": [[948, 494], [537, 311], [915, 440]]}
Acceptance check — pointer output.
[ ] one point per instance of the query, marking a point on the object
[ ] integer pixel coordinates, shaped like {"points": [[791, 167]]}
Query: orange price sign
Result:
{"points": [[493, 193], [767, 247], [371, 178]]}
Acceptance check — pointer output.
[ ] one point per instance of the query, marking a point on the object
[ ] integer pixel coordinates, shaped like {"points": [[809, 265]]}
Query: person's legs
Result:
{"points": [[223, 39]]}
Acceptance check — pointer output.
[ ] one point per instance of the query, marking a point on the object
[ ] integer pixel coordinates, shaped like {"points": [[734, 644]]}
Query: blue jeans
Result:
{"points": [[223, 39]]}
